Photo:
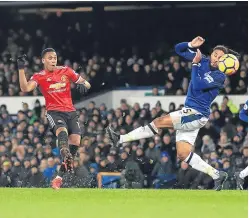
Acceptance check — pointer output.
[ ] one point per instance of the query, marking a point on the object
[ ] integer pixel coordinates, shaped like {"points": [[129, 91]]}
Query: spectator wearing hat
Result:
{"points": [[162, 171]]}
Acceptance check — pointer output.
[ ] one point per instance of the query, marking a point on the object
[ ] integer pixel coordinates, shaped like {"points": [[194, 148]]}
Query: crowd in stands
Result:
{"points": [[29, 157], [133, 62], [135, 49]]}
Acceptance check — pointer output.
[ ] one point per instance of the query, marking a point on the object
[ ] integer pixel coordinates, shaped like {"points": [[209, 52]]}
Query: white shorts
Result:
{"points": [[187, 123]]}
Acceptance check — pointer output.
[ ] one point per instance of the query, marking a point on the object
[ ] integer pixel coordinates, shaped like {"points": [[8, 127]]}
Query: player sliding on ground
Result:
{"points": [[54, 83], [240, 176], [206, 82]]}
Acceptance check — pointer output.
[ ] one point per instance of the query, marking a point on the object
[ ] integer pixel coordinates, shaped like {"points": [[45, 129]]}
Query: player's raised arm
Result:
{"points": [[212, 80], [24, 84], [187, 49]]}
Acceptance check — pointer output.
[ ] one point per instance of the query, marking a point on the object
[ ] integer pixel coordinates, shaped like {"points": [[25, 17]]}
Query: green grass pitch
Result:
{"points": [[107, 203]]}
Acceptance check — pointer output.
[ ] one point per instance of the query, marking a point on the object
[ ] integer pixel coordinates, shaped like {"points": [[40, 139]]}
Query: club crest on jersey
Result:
{"points": [[64, 78], [49, 79], [57, 85]]}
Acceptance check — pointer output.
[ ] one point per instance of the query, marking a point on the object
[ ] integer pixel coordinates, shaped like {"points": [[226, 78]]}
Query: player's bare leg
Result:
{"points": [[184, 149]]}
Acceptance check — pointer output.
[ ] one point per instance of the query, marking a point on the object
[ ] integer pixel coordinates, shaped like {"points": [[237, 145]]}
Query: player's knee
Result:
{"points": [[74, 139], [75, 142], [183, 150], [163, 122], [61, 129]]}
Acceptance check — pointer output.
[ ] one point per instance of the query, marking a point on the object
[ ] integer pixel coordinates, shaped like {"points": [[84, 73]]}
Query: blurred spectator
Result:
{"points": [[162, 171], [207, 144], [152, 152], [186, 176], [50, 170]]}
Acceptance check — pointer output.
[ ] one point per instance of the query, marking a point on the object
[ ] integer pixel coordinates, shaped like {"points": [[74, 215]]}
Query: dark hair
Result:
{"points": [[226, 50], [46, 50], [225, 97]]}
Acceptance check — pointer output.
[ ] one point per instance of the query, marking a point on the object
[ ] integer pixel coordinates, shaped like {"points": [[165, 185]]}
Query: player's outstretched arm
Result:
{"points": [[24, 84], [187, 49]]}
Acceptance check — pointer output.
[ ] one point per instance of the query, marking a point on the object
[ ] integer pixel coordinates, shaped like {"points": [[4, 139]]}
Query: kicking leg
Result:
{"points": [[141, 132]]}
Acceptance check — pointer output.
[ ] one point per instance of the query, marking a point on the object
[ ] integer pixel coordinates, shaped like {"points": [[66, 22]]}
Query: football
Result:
{"points": [[228, 64]]}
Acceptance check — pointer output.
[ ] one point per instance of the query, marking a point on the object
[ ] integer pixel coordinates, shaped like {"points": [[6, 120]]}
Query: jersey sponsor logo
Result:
{"points": [[57, 85], [57, 90]]}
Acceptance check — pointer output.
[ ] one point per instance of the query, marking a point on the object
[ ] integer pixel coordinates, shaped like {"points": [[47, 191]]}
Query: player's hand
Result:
{"points": [[197, 42], [21, 61], [81, 89], [197, 57]]}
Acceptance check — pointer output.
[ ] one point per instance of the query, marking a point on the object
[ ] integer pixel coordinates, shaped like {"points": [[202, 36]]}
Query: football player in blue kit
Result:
{"points": [[240, 176], [206, 83]]}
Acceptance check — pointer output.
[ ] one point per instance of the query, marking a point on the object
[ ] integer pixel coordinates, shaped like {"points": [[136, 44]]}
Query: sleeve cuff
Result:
{"points": [[189, 45], [35, 82], [77, 80]]}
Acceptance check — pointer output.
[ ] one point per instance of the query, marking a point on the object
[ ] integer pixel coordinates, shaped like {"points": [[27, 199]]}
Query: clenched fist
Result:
{"points": [[197, 42]]}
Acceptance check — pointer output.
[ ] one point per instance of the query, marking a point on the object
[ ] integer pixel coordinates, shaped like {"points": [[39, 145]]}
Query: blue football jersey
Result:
{"points": [[205, 84], [243, 114]]}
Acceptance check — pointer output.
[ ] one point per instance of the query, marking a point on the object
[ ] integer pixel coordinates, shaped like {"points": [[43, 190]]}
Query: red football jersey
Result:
{"points": [[55, 87]]}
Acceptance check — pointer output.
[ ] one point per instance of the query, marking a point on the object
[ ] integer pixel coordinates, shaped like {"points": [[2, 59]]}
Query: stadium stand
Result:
{"points": [[118, 52]]}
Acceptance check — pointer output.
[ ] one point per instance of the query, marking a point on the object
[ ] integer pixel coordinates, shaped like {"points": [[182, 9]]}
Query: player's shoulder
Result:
{"points": [[65, 68], [218, 75], [62, 67], [39, 74]]}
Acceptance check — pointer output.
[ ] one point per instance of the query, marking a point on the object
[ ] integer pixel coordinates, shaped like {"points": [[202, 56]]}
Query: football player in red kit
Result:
{"points": [[54, 84]]}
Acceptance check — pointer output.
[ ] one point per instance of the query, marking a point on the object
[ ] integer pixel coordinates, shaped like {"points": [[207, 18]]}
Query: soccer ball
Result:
{"points": [[228, 64]]}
